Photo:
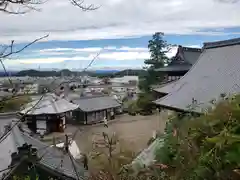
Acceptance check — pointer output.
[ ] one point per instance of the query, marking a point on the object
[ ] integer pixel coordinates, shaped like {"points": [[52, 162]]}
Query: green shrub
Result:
{"points": [[144, 101], [205, 147], [132, 107], [14, 104]]}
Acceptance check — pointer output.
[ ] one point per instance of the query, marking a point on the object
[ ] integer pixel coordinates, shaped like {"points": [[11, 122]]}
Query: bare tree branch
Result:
{"points": [[11, 52], [5, 54], [41, 98], [19, 6], [80, 4], [25, 6]]}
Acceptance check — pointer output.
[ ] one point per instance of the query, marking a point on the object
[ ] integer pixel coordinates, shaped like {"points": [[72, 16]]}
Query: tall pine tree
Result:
{"points": [[158, 48]]}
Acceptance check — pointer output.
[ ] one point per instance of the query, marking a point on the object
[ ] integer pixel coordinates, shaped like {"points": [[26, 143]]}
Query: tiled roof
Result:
{"points": [[52, 157], [165, 88], [183, 60], [216, 44], [8, 146], [89, 104], [49, 105], [6, 118], [191, 55], [216, 72]]}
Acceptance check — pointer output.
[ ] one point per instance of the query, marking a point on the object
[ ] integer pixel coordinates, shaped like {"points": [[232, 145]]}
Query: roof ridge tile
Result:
{"points": [[229, 42]]}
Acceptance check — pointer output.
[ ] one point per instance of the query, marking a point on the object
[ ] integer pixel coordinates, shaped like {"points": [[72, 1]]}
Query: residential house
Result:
{"points": [[25, 156], [31, 89], [93, 109], [125, 79], [215, 74], [49, 115]]}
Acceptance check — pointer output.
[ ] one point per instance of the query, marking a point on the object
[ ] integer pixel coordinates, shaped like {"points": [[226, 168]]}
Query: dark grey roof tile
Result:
{"points": [[191, 56], [49, 105], [228, 42], [89, 104], [166, 88], [52, 158], [217, 71], [183, 60]]}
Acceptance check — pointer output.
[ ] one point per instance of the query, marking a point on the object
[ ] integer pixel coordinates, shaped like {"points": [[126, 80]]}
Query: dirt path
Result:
{"points": [[135, 130]]}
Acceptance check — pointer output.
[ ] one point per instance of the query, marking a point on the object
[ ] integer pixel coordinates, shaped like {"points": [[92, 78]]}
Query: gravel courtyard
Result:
{"points": [[134, 130]]}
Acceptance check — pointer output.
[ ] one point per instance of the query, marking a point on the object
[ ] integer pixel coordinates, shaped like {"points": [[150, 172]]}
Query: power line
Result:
{"points": [[11, 52], [10, 167], [89, 65], [4, 136]]}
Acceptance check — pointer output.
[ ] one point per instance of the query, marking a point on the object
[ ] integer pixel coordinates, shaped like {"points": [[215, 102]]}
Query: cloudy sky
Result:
{"points": [[120, 29]]}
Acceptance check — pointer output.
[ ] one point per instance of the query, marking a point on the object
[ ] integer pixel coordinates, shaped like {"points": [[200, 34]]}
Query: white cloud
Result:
{"points": [[102, 56], [124, 55], [194, 46], [119, 18], [125, 48], [48, 60], [172, 52], [62, 51], [87, 54], [54, 50]]}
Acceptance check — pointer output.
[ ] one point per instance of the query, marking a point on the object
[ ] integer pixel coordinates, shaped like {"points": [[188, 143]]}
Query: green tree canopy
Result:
{"points": [[205, 147], [158, 48], [14, 104]]}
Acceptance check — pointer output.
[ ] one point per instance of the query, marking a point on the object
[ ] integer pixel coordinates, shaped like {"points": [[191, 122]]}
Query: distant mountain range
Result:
{"points": [[67, 72]]}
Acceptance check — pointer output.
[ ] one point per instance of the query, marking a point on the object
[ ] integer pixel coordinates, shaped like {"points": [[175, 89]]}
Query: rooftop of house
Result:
{"points": [[52, 157], [216, 72], [48, 104], [164, 88], [95, 103]]}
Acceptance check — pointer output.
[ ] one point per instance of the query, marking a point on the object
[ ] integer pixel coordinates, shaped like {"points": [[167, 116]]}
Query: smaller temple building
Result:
{"points": [[48, 114], [94, 109]]}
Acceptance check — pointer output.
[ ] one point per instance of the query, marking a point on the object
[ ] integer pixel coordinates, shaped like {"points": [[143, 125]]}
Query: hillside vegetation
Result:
{"points": [[205, 147], [13, 104]]}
